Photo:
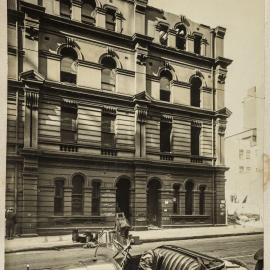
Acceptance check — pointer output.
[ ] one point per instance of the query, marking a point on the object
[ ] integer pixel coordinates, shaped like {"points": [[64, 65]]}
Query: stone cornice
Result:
{"points": [[32, 9], [223, 62], [207, 61]]}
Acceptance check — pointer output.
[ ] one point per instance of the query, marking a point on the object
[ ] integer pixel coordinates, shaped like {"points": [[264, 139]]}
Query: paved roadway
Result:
{"points": [[240, 247]]}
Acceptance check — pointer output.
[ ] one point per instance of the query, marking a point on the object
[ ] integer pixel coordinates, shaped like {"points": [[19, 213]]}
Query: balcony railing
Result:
{"points": [[166, 156], [106, 151], [68, 147], [196, 159]]}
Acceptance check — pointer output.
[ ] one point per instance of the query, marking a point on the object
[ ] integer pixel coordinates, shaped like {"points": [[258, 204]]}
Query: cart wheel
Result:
{"points": [[238, 262]]}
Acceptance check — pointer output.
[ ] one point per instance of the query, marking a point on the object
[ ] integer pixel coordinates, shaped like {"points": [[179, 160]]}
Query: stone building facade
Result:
{"points": [[113, 106]]}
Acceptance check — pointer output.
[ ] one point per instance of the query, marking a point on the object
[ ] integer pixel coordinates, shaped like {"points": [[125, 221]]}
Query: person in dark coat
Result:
{"points": [[10, 223]]}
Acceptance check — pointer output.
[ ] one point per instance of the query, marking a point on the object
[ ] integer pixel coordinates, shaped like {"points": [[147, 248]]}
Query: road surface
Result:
{"points": [[239, 247]]}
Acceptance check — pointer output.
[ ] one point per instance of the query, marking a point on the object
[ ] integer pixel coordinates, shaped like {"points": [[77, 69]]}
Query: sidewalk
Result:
{"points": [[65, 241]]}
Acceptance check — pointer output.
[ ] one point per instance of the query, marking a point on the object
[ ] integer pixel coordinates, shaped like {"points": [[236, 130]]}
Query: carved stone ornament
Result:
{"points": [[110, 51], [70, 42], [141, 113], [141, 59], [31, 99], [32, 33], [167, 118], [221, 78], [109, 110], [196, 123], [221, 128]]}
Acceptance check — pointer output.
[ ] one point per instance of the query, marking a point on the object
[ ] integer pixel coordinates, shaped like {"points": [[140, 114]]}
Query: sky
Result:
{"points": [[244, 44]]}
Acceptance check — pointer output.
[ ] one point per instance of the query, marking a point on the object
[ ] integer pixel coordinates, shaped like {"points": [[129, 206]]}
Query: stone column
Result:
{"points": [[67, 201], [76, 7], [87, 195], [140, 70], [190, 44], [203, 47], [182, 202], [140, 131], [100, 17], [118, 23], [56, 7], [140, 199], [172, 38], [220, 135]]}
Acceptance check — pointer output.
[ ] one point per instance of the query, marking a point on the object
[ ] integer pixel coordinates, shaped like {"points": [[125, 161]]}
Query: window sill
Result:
{"points": [[166, 156], [190, 216]]}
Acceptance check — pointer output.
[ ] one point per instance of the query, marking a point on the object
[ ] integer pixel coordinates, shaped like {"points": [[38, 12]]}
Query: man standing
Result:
{"points": [[10, 222]]}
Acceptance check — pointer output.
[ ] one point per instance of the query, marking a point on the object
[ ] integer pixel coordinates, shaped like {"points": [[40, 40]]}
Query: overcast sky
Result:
{"points": [[244, 43]]}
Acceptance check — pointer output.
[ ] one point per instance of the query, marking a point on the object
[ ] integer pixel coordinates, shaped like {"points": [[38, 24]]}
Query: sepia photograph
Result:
{"points": [[134, 134]]}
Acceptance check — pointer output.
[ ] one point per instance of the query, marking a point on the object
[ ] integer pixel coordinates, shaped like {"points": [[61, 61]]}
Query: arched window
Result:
{"points": [[68, 68], [59, 197], [176, 199], [77, 195], [202, 200], [165, 85], [195, 92], [181, 33], [108, 73], [189, 198], [88, 10], [110, 19], [96, 198], [163, 35], [65, 8]]}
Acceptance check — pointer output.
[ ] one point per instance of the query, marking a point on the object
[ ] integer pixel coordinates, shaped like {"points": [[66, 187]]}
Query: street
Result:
{"points": [[237, 247]]}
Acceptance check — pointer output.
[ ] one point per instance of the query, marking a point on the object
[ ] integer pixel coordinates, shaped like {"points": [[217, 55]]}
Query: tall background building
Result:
{"points": [[244, 188], [113, 106]]}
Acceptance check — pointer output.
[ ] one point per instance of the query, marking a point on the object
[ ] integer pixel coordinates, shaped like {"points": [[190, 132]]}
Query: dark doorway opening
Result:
{"points": [[123, 197], [153, 202]]}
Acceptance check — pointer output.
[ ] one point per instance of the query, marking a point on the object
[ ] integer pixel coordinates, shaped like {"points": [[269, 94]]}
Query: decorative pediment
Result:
{"points": [[225, 112], [31, 75], [142, 96]]}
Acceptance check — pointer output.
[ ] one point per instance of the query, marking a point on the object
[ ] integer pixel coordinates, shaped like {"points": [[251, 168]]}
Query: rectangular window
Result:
{"points": [[248, 154], [165, 137], [108, 130], [195, 140], [197, 44], [65, 8], [59, 197], [241, 154], [95, 198], [68, 124], [110, 20], [165, 95]]}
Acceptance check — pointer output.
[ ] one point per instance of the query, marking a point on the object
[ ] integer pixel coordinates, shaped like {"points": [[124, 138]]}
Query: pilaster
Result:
{"points": [[172, 38], [100, 17], [140, 10], [140, 75], [76, 7]]}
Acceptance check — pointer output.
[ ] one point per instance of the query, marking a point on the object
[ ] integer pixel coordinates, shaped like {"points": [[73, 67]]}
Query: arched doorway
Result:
{"points": [[77, 195], [123, 197], [153, 202]]}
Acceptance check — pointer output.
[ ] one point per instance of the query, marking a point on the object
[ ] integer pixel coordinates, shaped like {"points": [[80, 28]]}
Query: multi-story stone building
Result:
{"points": [[113, 106]]}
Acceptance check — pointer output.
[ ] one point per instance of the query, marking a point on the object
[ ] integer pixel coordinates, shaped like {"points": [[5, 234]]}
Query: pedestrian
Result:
{"points": [[10, 223]]}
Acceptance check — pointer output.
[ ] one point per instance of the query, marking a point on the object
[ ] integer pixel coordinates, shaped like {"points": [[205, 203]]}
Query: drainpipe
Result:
{"points": [[16, 151], [214, 132]]}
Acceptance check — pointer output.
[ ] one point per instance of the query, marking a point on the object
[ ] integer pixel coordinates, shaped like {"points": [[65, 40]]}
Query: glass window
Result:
{"points": [[68, 65], [163, 35], [181, 33], [165, 85], [88, 10], [59, 197], [197, 44], [110, 19], [77, 195], [68, 124], [189, 198], [107, 130], [165, 137], [108, 74], [202, 200], [65, 8], [195, 140], [195, 92], [95, 198]]}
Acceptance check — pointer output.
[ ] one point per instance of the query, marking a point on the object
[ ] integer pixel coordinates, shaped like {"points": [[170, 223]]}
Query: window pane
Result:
{"points": [[77, 195], [88, 9], [165, 137], [189, 198], [96, 198], [59, 197], [197, 45], [107, 123], [110, 20], [195, 141], [164, 83], [107, 139], [65, 8], [68, 124]]}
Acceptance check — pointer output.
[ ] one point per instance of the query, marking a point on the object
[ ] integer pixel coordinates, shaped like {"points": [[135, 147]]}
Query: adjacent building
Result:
{"points": [[114, 106], [244, 189]]}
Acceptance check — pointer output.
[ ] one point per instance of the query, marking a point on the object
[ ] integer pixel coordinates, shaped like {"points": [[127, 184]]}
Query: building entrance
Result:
{"points": [[153, 202], [123, 197]]}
